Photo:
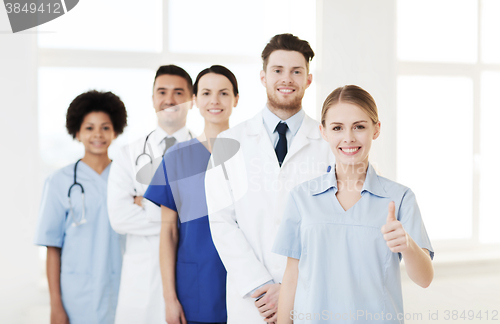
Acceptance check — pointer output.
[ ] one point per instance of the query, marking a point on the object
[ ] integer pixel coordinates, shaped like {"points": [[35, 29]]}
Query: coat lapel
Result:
{"points": [[308, 130], [256, 128]]}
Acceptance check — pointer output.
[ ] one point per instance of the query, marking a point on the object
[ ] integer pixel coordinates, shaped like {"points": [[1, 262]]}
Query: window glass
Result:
{"points": [[434, 150], [490, 31], [221, 27], [489, 219], [112, 25], [437, 30]]}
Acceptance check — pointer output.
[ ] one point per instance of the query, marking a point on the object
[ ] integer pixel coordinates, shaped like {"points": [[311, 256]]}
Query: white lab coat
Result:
{"points": [[140, 299], [245, 211]]}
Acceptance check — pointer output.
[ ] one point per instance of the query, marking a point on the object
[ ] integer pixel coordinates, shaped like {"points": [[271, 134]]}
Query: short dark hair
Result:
{"points": [[95, 101], [287, 42], [217, 69], [175, 70]]}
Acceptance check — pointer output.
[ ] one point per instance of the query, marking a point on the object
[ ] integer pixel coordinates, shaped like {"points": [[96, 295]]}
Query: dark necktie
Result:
{"points": [[281, 147], [169, 141]]}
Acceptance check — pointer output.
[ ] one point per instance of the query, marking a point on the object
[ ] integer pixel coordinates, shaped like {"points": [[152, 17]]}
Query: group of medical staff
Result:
{"points": [[276, 216]]}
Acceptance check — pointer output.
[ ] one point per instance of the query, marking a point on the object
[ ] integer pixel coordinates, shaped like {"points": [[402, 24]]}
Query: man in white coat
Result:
{"points": [[246, 192], [140, 299]]}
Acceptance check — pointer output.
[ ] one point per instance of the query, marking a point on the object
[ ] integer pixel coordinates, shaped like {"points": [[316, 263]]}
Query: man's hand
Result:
{"points": [[394, 233], [138, 200], [268, 304], [174, 314]]}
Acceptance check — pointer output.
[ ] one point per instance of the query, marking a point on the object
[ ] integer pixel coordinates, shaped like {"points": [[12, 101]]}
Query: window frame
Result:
{"points": [[473, 71]]}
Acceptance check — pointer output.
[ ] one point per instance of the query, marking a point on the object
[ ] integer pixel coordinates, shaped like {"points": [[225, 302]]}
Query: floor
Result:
{"points": [[472, 288], [458, 294]]}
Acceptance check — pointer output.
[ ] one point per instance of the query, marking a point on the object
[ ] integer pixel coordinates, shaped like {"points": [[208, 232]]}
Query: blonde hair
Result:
{"points": [[354, 95]]}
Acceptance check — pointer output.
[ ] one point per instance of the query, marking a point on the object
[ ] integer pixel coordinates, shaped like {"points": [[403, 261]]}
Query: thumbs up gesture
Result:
{"points": [[394, 233]]}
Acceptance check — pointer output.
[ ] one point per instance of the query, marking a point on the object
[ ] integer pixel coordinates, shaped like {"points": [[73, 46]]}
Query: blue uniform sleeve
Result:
{"points": [[52, 216], [288, 240], [411, 219], [161, 194]]}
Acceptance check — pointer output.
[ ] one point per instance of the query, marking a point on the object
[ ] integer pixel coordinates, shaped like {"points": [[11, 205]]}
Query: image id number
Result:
{"points": [[471, 315], [33, 8]]}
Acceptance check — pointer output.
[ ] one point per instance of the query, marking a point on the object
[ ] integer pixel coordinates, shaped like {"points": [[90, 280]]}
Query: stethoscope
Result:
{"points": [[144, 148], [83, 220]]}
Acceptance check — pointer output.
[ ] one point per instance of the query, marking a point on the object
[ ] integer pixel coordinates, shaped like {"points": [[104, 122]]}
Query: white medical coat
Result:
{"points": [[245, 211], [140, 299]]}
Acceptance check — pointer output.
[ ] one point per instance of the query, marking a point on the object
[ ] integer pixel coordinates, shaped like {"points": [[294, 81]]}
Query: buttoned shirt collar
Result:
{"points": [[293, 123]]}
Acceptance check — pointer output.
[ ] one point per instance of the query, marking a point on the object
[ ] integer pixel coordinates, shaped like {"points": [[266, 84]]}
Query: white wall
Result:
{"points": [[357, 45], [20, 193]]}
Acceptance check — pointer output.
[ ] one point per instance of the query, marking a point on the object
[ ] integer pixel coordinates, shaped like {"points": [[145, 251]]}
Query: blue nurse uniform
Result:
{"points": [[91, 255], [346, 270], [200, 274]]}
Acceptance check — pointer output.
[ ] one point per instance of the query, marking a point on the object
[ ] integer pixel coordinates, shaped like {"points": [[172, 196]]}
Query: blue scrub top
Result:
{"points": [[91, 254], [346, 270], [200, 274]]}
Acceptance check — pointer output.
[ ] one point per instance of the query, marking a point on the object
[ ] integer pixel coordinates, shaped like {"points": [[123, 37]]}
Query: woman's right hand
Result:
{"points": [[58, 315], [174, 314]]}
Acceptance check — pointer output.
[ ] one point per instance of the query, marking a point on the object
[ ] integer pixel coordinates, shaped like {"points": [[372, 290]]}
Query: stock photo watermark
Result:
{"points": [[363, 315], [26, 14], [180, 170]]}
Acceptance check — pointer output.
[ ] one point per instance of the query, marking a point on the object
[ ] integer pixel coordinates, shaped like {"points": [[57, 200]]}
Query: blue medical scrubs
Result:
{"points": [[179, 184], [91, 255], [346, 271]]}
